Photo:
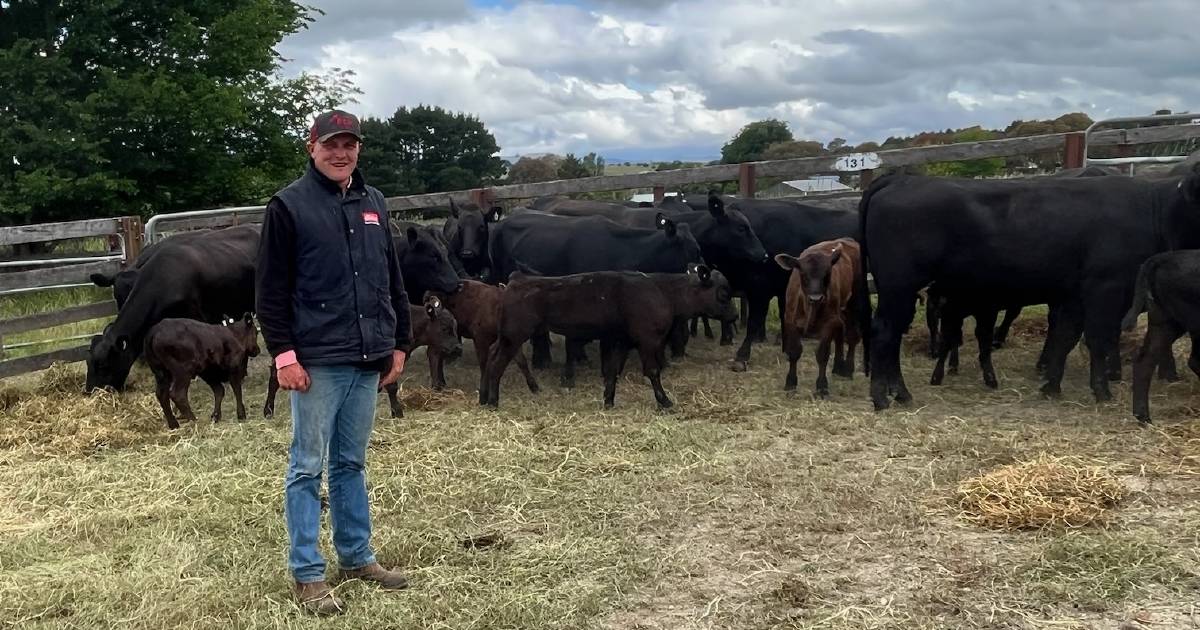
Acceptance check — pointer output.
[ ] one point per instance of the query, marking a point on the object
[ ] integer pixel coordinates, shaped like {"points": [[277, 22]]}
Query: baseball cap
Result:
{"points": [[333, 122]]}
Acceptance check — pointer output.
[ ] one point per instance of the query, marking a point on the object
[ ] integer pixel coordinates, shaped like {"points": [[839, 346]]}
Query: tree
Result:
{"points": [[594, 164], [528, 170], [428, 149], [837, 145], [989, 167], [792, 149], [750, 143], [572, 168], [141, 107]]}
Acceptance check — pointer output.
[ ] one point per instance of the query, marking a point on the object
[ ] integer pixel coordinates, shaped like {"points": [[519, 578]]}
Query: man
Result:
{"points": [[334, 315]]}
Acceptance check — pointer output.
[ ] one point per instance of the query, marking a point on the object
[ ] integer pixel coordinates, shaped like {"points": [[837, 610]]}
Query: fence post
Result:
{"points": [[131, 236], [746, 180], [660, 191], [1073, 148], [1125, 151]]}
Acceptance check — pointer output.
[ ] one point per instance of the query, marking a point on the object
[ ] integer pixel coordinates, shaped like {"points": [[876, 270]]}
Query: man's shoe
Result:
{"points": [[318, 598], [391, 580]]}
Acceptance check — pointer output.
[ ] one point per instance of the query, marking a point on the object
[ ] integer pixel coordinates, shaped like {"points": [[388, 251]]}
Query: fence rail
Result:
{"points": [[50, 274]]}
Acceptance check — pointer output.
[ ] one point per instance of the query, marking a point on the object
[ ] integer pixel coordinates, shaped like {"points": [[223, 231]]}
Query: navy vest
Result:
{"points": [[341, 303]]}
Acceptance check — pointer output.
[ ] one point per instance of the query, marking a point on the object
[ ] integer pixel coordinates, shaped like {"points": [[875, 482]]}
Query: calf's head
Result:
{"points": [[440, 330], [710, 293], [424, 265], [814, 266], [246, 332]]}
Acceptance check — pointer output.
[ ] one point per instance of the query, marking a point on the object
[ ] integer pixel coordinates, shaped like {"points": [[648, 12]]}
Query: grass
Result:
{"points": [[46, 302], [742, 508]]}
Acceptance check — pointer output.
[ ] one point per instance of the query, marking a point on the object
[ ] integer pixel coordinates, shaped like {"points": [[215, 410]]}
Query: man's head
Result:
{"points": [[333, 143]]}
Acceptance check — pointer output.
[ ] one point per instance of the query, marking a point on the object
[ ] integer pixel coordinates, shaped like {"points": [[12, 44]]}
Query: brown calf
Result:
{"points": [[818, 305], [433, 327], [179, 350], [476, 307], [620, 308]]}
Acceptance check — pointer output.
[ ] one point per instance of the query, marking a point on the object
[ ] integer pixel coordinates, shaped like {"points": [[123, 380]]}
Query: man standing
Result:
{"points": [[334, 315]]}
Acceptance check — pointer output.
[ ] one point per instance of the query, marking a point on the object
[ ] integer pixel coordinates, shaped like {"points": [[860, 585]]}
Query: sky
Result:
{"points": [[661, 79]]}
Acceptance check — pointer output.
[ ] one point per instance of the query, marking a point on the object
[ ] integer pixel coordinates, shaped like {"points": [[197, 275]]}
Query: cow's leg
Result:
{"points": [[728, 331], [851, 334], [501, 354], [568, 372], [483, 346], [1160, 334], [437, 382], [162, 390], [612, 361], [1052, 316], [1102, 326], [1065, 328], [821, 389], [540, 342], [932, 322], [1000, 336], [648, 351], [755, 328], [708, 333], [272, 388], [218, 390], [393, 394], [236, 380], [523, 365], [984, 331], [1167, 369], [948, 342], [679, 338], [743, 312], [793, 349], [180, 383], [1193, 361], [692, 323], [839, 356], [893, 316]]}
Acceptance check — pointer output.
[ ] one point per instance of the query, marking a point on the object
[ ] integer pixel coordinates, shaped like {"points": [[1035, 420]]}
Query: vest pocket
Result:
{"points": [[322, 320]]}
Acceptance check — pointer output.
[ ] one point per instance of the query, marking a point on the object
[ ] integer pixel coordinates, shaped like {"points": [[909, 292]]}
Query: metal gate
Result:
{"points": [[1180, 149]]}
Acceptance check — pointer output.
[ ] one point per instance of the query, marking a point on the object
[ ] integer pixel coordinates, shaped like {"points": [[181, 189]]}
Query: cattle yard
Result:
{"points": [[742, 507]]}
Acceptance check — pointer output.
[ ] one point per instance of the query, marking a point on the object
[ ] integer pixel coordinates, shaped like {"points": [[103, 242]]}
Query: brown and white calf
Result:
{"points": [[179, 350], [476, 308], [820, 304]]}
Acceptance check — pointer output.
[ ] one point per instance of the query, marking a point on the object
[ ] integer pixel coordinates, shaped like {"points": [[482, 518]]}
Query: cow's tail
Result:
{"points": [[862, 295], [1141, 293]]}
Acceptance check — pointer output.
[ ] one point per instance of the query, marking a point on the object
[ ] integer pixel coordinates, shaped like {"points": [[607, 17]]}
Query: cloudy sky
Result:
{"points": [[662, 79]]}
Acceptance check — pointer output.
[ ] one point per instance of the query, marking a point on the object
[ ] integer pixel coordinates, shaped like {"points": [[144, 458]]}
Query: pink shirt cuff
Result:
{"points": [[285, 359]]}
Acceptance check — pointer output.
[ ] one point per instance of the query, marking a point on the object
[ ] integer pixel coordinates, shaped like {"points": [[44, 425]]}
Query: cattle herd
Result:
{"points": [[1096, 246]]}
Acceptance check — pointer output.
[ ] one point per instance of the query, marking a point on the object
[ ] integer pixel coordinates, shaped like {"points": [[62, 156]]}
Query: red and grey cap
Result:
{"points": [[331, 123]]}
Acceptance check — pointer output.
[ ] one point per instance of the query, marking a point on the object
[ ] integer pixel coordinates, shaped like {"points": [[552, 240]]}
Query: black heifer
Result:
{"points": [[122, 282], [466, 233], [1168, 286], [622, 309], [424, 261], [179, 350], [1071, 243], [784, 227], [202, 278]]}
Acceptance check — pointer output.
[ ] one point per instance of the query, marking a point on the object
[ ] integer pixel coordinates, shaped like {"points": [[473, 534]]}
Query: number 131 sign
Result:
{"points": [[857, 162]]}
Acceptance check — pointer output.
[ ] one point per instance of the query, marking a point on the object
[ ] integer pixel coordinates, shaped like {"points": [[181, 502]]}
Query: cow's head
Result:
{"points": [[729, 235], [814, 266], [121, 282], [440, 333], [680, 237], [110, 357], [470, 243], [246, 333], [424, 264], [711, 294]]}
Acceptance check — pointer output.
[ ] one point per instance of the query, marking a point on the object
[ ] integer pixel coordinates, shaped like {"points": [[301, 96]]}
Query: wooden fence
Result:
{"points": [[747, 174], [126, 231]]}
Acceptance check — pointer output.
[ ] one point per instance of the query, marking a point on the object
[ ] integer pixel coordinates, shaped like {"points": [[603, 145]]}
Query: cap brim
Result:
{"points": [[338, 133]]}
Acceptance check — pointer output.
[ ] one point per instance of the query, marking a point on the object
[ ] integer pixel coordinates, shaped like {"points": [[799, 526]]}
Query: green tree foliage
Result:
{"points": [[793, 149], [572, 167], [528, 170], [989, 167], [594, 164], [428, 149], [752, 141], [138, 107]]}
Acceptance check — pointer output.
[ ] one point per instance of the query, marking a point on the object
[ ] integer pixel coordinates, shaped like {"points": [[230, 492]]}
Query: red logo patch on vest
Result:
{"points": [[370, 217]]}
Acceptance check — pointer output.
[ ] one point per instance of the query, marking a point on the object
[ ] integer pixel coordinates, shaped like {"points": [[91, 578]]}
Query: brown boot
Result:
{"points": [[392, 580], [318, 598]]}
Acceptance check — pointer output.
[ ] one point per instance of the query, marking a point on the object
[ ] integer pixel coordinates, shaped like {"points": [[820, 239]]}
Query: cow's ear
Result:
{"points": [[787, 262], [123, 343], [411, 233], [666, 224], [493, 215], [705, 275], [431, 311], [835, 255], [716, 205], [453, 208]]}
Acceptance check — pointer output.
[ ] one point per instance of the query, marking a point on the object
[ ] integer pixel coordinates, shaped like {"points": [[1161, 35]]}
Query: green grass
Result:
{"points": [[743, 508], [46, 302]]}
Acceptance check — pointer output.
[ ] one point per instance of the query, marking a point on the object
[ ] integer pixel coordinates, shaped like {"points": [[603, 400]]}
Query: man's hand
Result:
{"points": [[293, 377], [398, 357]]}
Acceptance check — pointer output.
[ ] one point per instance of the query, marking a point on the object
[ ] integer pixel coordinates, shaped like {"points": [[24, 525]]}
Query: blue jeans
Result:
{"points": [[335, 415]]}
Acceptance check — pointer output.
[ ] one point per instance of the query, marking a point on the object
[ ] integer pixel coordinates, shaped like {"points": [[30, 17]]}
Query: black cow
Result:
{"points": [[424, 261], [1071, 243], [1168, 286], [122, 282], [466, 234], [202, 278], [784, 227]]}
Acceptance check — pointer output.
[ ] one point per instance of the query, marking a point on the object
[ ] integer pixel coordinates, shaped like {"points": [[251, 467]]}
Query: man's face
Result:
{"points": [[336, 157]]}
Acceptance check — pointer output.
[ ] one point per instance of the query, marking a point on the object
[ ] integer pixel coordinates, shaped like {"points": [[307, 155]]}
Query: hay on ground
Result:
{"points": [[1044, 492], [426, 399]]}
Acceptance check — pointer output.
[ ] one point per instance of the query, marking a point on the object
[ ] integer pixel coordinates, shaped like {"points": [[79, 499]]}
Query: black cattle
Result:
{"points": [[424, 261], [784, 227], [622, 309], [202, 278], [179, 350], [466, 235], [1072, 243], [122, 282], [1168, 286]]}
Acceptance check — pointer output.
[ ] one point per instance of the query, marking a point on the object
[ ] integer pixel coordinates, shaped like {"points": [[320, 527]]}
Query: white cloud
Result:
{"points": [[616, 75]]}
